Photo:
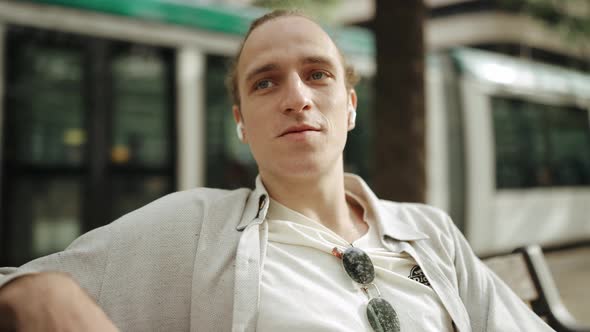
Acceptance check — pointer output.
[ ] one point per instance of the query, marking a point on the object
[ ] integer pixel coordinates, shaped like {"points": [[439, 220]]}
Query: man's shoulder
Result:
{"points": [[203, 194], [424, 217], [422, 209], [188, 206]]}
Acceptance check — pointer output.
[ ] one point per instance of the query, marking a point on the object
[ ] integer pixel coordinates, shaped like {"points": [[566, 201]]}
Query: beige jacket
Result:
{"points": [[191, 261]]}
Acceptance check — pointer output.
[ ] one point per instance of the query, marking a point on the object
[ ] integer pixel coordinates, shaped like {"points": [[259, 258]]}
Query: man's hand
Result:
{"points": [[49, 302]]}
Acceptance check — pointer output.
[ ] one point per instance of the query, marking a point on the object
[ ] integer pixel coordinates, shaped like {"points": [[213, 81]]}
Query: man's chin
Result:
{"points": [[302, 168]]}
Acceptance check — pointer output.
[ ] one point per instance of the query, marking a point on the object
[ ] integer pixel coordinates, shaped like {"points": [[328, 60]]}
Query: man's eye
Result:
{"points": [[263, 84], [318, 75]]}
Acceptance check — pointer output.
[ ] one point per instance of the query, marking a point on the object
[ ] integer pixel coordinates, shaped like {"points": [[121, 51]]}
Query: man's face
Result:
{"points": [[294, 101]]}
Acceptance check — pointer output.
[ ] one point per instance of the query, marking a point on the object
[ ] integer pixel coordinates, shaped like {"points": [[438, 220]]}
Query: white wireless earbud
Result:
{"points": [[239, 131], [351, 117]]}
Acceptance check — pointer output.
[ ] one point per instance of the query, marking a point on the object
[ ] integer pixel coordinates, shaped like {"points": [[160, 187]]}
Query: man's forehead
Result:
{"points": [[287, 36]]}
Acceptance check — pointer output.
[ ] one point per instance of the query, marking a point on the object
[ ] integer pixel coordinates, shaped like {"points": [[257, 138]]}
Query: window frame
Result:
{"points": [[96, 170]]}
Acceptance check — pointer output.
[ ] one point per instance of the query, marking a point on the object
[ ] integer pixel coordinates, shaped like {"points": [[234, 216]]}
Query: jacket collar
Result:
{"points": [[389, 222], [256, 206]]}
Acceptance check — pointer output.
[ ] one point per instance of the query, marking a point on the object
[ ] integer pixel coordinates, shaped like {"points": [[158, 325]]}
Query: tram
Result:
{"points": [[107, 105]]}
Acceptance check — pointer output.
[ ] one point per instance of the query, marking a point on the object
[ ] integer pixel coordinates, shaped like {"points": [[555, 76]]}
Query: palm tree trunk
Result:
{"points": [[400, 172]]}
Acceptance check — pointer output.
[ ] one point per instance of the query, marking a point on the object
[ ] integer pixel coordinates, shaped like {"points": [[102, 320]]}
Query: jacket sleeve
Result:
{"points": [[84, 260], [490, 303]]}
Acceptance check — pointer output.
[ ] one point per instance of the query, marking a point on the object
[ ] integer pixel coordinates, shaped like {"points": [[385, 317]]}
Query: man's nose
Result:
{"points": [[297, 96]]}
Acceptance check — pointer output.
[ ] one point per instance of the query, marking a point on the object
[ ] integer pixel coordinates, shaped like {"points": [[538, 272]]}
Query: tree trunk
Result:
{"points": [[400, 172]]}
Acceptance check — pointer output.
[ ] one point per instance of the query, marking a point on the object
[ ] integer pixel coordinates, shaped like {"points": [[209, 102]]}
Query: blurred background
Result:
{"points": [[108, 105]]}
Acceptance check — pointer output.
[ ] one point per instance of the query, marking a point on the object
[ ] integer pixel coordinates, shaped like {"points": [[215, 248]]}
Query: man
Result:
{"points": [[292, 253]]}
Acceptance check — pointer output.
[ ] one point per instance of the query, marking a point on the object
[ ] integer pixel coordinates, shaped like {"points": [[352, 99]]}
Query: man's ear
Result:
{"points": [[352, 103], [239, 123]]}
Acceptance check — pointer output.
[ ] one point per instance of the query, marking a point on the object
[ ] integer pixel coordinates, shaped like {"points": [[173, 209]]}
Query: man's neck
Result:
{"points": [[321, 198]]}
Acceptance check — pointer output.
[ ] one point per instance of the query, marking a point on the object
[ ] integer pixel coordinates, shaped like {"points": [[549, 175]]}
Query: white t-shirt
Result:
{"points": [[305, 288]]}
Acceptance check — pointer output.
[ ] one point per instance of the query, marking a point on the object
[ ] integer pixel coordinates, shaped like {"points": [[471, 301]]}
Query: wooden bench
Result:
{"points": [[527, 273]]}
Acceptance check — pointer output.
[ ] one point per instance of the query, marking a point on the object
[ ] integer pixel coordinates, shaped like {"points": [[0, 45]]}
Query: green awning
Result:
{"points": [[218, 18]]}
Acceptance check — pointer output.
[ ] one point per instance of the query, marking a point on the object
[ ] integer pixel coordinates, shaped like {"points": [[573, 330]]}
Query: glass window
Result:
{"points": [[44, 144], [131, 191], [540, 145], [71, 101], [229, 162], [141, 150], [141, 112], [46, 88], [569, 146], [45, 211]]}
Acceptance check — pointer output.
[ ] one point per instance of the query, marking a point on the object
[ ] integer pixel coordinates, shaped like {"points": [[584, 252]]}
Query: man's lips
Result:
{"points": [[299, 129]]}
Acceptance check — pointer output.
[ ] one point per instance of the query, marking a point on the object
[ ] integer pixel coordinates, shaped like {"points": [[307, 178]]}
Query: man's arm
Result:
{"points": [[31, 297], [491, 304], [139, 269], [49, 301]]}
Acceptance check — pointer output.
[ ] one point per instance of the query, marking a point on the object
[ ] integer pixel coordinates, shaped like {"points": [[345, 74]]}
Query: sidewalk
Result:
{"points": [[571, 271]]}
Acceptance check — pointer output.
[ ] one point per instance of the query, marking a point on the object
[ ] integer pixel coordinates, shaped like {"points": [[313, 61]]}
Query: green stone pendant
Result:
{"points": [[382, 316], [358, 265]]}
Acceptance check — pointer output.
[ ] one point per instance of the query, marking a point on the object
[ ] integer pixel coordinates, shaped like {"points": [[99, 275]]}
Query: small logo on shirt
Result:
{"points": [[416, 274]]}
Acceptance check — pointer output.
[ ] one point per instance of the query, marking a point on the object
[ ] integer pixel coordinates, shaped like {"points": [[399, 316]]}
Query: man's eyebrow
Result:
{"points": [[318, 59], [262, 69]]}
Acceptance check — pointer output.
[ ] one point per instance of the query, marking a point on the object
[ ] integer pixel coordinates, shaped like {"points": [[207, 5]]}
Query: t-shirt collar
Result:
{"points": [[389, 222]]}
